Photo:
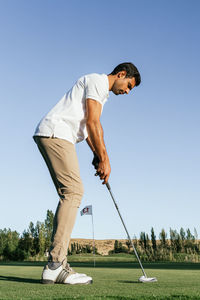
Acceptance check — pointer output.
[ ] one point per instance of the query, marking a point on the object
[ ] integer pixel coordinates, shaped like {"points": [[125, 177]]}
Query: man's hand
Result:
{"points": [[103, 168], [95, 161]]}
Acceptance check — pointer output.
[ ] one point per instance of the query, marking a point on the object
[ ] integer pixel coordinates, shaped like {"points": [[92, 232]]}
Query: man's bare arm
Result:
{"points": [[90, 144], [95, 137]]}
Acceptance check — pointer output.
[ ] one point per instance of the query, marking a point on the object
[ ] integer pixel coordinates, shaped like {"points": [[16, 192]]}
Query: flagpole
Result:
{"points": [[93, 239], [87, 210]]}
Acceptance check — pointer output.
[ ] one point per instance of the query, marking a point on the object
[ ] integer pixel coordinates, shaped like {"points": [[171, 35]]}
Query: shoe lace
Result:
{"points": [[68, 269]]}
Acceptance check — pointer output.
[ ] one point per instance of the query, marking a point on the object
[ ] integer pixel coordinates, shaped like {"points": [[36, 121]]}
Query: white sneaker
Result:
{"points": [[64, 275]]}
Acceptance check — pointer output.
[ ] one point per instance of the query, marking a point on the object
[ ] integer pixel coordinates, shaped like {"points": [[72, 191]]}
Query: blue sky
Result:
{"points": [[152, 134]]}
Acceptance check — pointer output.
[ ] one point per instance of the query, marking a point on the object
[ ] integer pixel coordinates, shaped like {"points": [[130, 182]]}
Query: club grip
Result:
{"points": [[108, 186], [95, 161]]}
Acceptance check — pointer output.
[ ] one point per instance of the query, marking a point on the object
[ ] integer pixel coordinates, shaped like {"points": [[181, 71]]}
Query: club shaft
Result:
{"points": [[109, 188]]}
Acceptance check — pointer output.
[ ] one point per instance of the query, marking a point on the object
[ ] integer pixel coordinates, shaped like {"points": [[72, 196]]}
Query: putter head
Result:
{"points": [[147, 279]]}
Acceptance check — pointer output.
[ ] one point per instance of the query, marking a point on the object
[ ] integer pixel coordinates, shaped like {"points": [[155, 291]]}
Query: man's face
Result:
{"points": [[123, 85]]}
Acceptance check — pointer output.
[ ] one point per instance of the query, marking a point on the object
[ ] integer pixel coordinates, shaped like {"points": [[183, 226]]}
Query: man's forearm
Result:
{"points": [[90, 144], [96, 141]]}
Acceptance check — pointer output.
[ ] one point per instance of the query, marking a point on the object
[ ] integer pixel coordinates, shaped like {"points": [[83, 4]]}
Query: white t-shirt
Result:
{"points": [[67, 119]]}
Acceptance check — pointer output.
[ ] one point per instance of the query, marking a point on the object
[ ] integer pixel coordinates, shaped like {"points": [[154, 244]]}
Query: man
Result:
{"points": [[74, 118]]}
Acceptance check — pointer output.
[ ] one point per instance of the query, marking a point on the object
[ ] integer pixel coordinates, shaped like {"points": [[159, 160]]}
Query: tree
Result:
{"points": [[128, 244], [72, 248], [26, 244], [195, 234], [196, 241], [189, 236], [78, 248], [12, 240], [3, 240], [178, 243], [147, 242], [31, 229], [48, 228], [182, 237], [172, 239], [41, 239], [175, 241], [163, 238], [182, 234], [153, 240], [88, 248], [190, 240], [135, 241], [143, 241], [122, 249], [116, 246]]}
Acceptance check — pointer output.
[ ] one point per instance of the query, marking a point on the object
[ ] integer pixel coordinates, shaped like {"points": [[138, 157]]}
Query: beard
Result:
{"points": [[117, 91]]}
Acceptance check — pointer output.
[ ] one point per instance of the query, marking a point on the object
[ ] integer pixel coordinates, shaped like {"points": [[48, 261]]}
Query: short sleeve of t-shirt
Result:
{"points": [[95, 88]]}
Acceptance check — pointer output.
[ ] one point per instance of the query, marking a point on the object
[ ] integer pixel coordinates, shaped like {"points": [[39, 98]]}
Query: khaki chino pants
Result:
{"points": [[61, 159]]}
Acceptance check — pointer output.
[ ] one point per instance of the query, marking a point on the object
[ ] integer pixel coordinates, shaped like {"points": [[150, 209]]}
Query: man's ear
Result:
{"points": [[121, 74]]}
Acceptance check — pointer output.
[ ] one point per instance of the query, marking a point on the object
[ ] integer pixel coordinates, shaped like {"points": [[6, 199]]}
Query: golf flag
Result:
{"points": [[86, 210]]}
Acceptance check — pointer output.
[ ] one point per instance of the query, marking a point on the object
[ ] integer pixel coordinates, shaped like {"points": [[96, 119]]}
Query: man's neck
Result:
{"points": [[111, 79]]}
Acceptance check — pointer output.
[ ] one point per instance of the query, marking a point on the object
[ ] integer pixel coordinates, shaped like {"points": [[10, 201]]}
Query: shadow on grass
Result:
{"points": [[29, 280], [23, 263], [134, 265], [128, 281], [20, 279], [117, 264]]}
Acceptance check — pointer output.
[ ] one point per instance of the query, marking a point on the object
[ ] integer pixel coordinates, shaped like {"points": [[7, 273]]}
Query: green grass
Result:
{"points": [[114, 278]]}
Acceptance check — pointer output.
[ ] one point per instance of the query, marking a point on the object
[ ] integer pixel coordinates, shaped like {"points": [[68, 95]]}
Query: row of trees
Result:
{"points": [[76, 248], [181, 246], [34, 242]]}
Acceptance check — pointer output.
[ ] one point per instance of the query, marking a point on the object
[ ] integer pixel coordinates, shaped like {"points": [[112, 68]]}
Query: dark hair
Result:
{"points": [[131, 71]]}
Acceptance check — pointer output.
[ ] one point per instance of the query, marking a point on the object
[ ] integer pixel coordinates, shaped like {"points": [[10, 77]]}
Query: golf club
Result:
{"points": [[143, 278]]}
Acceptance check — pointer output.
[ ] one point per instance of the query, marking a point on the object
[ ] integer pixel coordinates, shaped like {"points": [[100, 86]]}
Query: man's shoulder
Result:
{"points": [[95, 75], [95, 85], [94, 78]]}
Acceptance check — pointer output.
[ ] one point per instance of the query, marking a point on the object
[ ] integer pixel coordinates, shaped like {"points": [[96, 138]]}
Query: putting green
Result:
{"points": [[111, 281]]}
